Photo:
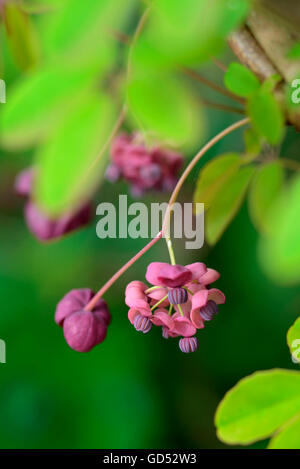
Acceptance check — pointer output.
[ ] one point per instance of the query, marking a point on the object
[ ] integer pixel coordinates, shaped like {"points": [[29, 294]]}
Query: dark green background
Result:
{"points": [[134, 390]]}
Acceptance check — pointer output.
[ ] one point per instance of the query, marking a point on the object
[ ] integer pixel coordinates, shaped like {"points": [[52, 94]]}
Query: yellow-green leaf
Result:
{"points": [[162, 106], [226, 203], [293, 340], [264, 190], [83, 30], [213, 175], [191, 31], [240, 80], [266, 115], [258, 406], [280, 252], [69, 164], [288, 437], [38, 102], [22, 36]]}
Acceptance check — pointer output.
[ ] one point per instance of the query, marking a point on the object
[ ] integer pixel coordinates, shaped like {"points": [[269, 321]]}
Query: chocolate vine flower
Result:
{"points": [[184, 288], [42, 226], [144, 168], [204, 305], [82, 329]]}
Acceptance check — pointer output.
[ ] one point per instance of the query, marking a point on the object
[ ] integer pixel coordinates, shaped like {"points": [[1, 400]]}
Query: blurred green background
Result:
{"points": [[134, 390]]}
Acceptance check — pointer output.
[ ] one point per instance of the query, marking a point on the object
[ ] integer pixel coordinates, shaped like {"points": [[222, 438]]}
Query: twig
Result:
{"points": [[219, 64], [290, 164], [196, 76], [120, 272], [222, 107]]}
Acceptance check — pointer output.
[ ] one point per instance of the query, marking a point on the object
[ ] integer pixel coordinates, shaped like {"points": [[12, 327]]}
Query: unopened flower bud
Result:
{"points": [[188, 344], [83, 330]]}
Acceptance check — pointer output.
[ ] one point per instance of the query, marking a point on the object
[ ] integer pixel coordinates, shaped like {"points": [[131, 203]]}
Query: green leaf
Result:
{"points": [[240, 80], [264, 190], [226, 203], [271, 82], [253, 143], [37, 103], [83, 30], [257, 406], [280, 253], [177, 29], [69, 163], [288, 437], [39, 6], [213, 175], [294, 52], [162, 106], [266, 116], [293, 340], [22, 37]]}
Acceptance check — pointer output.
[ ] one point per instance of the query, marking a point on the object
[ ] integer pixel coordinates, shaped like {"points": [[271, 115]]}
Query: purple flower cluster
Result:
{"points": [[42, 226], [184, 288], [144, 168]]}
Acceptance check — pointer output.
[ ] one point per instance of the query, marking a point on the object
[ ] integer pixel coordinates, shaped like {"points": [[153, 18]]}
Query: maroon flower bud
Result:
{"points": [[75, 300], [41, 225], [23, 182], [208, 311], [45, 228], [177, 296], [83, 330], [142, 324], [188, 344]]}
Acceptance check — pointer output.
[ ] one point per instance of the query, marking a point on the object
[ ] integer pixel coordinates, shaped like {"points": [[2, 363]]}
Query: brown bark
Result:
{"points": [[263, 45]]}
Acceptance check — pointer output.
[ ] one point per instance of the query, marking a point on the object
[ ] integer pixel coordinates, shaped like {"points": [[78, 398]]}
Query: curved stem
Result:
{"points": [[180, 310], [191, 165], [219, 64], [171, 251], [165, 228], [120, 272], [222, 107], [290, 164], [114, 131], [149, 290], [159, 302], [135, 37]]}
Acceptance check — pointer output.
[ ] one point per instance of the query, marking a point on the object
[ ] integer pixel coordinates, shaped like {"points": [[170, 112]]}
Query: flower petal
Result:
{"points": [[161, 273], [198, 269], [162, 318], [199, 299], [141, 307], [209, 277], [73, 301], [216, 295], [183, 326], [135, 291], [196, 319]]}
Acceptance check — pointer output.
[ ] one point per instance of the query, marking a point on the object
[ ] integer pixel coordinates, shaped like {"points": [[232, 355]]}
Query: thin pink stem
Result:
{"points": [[165, 228], [120, 272], [191, 165]]}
